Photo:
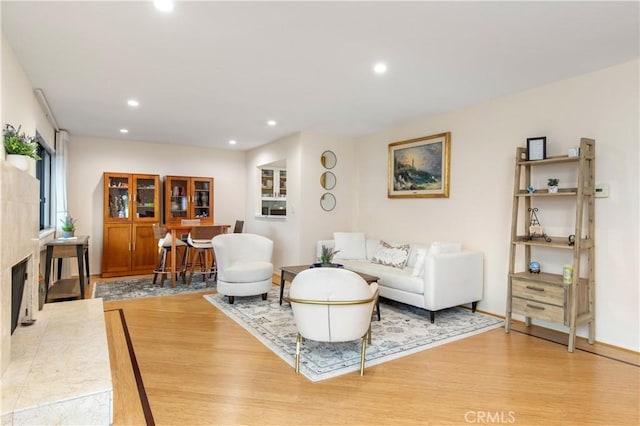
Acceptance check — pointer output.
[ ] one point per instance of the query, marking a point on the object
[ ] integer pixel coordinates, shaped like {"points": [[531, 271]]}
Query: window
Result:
{"points": [[43, 174]]}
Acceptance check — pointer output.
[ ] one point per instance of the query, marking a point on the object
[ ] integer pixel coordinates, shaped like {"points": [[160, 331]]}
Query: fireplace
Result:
{"points": [[19, 219], [18, 279]]}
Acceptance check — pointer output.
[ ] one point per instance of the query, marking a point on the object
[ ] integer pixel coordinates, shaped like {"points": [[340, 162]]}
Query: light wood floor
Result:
{"points": [[198, 367]]}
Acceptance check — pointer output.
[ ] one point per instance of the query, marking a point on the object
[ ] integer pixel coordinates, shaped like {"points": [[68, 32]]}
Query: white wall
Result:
{"points": [[602, 105], [89, 158], [284, 231], [19, 104], [317, 224]]}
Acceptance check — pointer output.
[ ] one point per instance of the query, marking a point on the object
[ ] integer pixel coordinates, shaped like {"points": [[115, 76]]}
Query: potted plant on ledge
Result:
{"points": [[68, 226], [552, 184], [19, 147]]}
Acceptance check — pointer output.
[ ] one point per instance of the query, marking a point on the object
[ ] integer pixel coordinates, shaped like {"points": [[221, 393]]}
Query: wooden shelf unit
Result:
{"points": [[544, 296], [131, 208]]}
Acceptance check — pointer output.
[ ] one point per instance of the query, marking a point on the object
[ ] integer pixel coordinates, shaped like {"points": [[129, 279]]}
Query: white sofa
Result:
{"points": [[436, 276]]}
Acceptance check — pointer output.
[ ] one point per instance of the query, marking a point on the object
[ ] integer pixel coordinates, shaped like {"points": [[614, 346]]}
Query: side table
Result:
{"points": [[61, 248]]}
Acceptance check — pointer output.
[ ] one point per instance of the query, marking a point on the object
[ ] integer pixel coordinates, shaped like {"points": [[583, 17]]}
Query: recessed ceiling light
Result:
{"points": [[124, 131], [165, 6], [232, 142], [272, 122], [380, 68], [133, 103]]}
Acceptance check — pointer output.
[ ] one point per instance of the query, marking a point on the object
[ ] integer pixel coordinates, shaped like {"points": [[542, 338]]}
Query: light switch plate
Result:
{"points": [[602, 190]]}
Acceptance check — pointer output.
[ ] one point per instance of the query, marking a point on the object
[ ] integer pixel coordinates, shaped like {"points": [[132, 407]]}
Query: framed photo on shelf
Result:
{"points": [[419, 168], [537, 148]]}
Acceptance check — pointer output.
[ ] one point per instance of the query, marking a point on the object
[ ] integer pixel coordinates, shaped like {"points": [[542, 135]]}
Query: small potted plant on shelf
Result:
{"points": [[552, 184], [68, 226], [327, 253]]}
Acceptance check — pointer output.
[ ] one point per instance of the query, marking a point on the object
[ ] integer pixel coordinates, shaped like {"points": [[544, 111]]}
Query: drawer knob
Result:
{"points": [[535, 307], [530, 287]]}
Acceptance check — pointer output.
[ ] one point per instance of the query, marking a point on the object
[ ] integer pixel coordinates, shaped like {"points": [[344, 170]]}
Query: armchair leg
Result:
{"points": [[264, 296], [298, 353], [363, 350], [474, 305], [432, 316], [231, 299]]}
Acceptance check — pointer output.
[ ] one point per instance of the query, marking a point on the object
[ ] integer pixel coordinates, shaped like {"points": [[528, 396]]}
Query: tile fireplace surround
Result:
{"points": [[56, 371]]}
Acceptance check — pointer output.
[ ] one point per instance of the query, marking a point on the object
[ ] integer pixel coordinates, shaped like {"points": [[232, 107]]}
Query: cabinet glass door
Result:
{"points": [[179, 199], [267, 183], [282, 191], [146, 198], [118, 205], [202, 198]]}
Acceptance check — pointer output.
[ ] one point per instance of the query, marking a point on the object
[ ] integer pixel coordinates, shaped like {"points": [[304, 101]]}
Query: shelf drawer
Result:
{"points": [[538, 291], [541, 311]]}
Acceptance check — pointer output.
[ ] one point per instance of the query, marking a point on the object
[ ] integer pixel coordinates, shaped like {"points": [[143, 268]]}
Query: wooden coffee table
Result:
{"points": [[288, 273]]}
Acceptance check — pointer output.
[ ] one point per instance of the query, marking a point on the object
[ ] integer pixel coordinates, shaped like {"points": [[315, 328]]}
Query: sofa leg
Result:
{"points": [[432, 315], [474, 305], [264, 296], [231, 299]]}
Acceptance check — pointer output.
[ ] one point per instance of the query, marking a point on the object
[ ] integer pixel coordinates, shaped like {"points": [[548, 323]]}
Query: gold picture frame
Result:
{"points": [[419, 168]]}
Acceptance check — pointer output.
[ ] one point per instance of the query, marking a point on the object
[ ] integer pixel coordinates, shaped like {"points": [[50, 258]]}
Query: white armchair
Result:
{"points": [[244, 264], [332, 305]]}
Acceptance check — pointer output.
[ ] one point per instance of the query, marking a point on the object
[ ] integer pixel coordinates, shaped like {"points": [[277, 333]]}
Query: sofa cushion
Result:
{"points": [[418, 267], [400, 279], [350, 244], [391, 255]]}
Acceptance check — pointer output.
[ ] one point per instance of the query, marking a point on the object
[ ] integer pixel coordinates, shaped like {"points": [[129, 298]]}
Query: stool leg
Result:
{"points": [[163, 266]]}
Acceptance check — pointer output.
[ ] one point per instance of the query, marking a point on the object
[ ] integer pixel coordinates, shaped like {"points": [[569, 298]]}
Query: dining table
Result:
{"points": [[179, 229]]}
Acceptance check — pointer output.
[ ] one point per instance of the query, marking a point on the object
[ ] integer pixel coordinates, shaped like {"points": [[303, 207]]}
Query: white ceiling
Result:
{"points": [[214, 71]]}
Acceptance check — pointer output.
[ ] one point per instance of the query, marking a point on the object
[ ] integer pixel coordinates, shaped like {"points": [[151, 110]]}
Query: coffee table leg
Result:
{"points": [[281, 286]]}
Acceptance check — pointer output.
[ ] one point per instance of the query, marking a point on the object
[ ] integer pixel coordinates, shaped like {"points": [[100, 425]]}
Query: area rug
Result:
{"points": [[131, 289], [403, 330]]}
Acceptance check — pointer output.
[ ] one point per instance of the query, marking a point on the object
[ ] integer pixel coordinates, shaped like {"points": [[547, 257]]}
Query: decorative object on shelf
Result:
{"points": [[19, 147], [573, 152], [552, 184], [537, 148], [572, 239], [567, 274], [531, 189], [419, 168], [535, 228], [327, 253], [534, 267], [68, 226]]}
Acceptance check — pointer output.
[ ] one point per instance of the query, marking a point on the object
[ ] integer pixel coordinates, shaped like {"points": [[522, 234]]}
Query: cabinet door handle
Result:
{"points": [[535, 307], [134, 246], [129, 246], [530, 287]]}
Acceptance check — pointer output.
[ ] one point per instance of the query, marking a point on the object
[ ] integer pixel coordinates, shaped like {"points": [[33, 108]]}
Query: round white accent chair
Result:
{"points": [[244, 264], [332, 305]]}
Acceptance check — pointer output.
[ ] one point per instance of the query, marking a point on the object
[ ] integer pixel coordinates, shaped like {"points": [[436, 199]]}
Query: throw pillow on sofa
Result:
{"points": [[351, 245], [389, 255]]}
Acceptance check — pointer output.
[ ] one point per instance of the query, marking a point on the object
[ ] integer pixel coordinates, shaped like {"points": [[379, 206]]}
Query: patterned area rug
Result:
{"points": [[403, 330], [131, 289]]}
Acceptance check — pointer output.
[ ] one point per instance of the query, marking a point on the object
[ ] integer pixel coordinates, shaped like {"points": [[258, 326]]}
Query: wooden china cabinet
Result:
{"points": [[131, 208], [188, 198]]}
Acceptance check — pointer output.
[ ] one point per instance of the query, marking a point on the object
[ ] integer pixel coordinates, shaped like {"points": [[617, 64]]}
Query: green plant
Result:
{"points": [[68, 224], [17, 142], [553, 182], [327, 253]]}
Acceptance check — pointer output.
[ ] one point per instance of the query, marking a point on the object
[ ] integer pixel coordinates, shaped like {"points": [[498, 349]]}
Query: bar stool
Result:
{"points": [[164, 247], [200, 239]]}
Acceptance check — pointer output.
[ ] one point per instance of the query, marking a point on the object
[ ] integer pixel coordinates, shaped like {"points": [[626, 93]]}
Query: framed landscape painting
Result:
{"points": [[419, 168]]}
